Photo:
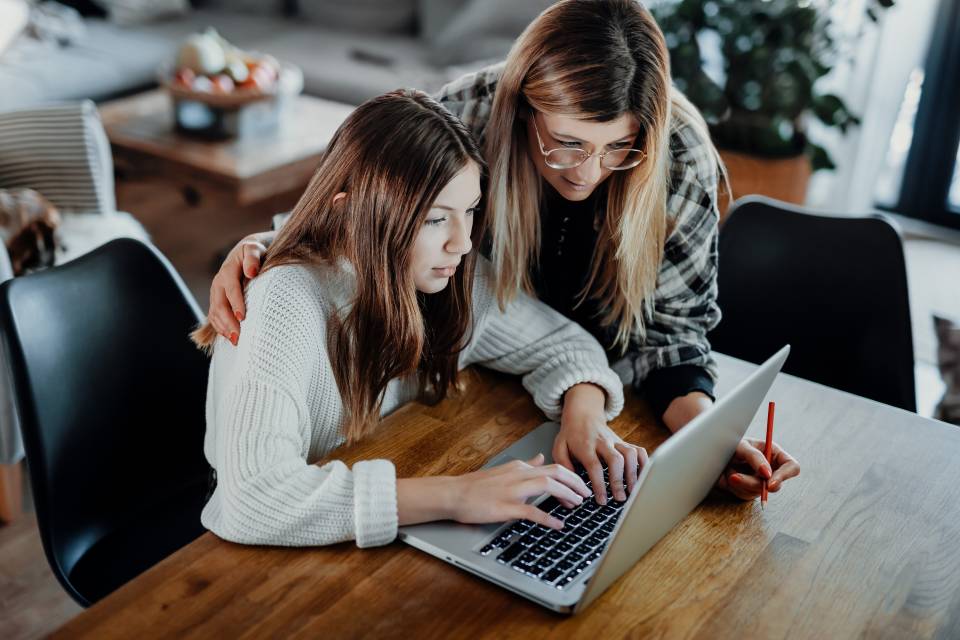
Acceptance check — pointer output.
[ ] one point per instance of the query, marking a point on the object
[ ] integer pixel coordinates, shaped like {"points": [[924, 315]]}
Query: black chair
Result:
{"points": [[110, 393], [834, 287]]}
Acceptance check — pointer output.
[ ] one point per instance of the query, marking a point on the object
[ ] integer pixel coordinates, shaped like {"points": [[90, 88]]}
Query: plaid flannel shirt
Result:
{"points": [[674, 358]]}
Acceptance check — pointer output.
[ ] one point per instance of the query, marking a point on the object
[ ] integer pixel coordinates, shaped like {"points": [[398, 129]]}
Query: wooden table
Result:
{"points": [[143, 138], [865, 543], [197, 198]]}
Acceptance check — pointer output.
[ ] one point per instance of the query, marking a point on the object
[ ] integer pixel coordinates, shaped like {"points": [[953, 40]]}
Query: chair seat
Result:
{"points": [[128, 551]]}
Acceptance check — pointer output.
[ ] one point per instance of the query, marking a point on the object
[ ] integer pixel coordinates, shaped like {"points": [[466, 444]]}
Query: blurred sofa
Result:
{"points": [[349, 50]]}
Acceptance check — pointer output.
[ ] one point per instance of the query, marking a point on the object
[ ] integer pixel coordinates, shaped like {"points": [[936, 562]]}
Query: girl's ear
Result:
{"points": [[340, 197]]}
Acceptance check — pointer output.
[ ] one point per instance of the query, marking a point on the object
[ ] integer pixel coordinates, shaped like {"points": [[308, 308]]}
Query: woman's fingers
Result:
{"points": [[749, 454], [615, 470], [642, 456], [561, 455], [233, 289], [252, 255], [631, 460], [595, 472], [744, 485], [215, 314], [786, 467]]}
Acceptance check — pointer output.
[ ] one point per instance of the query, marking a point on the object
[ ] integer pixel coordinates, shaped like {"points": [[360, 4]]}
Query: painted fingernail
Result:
{"points": [[234, 338], [734, 477], [239, 316]]}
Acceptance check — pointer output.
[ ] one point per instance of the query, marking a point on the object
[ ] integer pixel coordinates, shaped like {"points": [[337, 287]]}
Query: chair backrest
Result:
{"points": [[110, 391], [834, 287]]}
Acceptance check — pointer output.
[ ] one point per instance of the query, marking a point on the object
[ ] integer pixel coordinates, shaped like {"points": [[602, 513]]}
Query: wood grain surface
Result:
{"points": [[143, 138], [865, 543]]}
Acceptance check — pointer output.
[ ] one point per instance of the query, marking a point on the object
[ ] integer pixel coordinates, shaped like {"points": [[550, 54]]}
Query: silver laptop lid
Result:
{"points": [[680, 474]]}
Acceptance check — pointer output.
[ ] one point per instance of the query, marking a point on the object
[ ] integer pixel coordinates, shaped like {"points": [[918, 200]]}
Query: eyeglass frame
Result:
{"points": [[546, 153]]}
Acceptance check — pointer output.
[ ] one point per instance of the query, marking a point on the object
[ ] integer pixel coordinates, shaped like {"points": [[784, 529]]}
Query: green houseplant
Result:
{"points": [[770, 54]]}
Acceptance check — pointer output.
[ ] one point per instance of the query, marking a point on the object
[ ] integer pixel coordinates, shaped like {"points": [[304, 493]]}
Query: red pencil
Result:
{"points": [[767, 451]]}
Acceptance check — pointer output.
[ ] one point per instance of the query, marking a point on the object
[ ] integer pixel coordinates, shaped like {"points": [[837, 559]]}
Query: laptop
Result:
{"points": [[566, 570]]}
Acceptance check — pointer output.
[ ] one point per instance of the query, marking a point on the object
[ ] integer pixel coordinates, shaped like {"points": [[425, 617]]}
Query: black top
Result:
{"points": [[569, 233]]}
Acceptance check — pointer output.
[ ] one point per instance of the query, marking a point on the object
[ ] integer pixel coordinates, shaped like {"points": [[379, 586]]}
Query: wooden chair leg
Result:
{"points": [[11, 492]]}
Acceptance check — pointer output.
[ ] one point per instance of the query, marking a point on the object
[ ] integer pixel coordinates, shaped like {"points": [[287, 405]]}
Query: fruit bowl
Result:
{"points": [[220, 91], [217, 92], [210, 70]]}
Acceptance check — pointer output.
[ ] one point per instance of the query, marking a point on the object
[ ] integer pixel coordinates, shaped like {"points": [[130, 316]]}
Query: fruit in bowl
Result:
{"points": [[209, 65]]}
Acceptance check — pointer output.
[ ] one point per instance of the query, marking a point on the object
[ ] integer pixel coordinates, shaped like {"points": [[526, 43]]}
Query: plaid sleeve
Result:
{"points": [[685, 302], [470, 98]]}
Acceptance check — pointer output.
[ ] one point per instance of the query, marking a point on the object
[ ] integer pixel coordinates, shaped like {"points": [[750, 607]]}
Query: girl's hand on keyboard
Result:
{"points": [[500, 493], [585, 437]]}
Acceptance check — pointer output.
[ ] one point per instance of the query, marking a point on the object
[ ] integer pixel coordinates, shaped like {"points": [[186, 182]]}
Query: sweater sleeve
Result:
{"points": [[266, 491], [552, 352]]}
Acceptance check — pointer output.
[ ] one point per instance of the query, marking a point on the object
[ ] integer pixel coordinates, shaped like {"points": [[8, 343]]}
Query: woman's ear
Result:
{"points": [[340, 197]]}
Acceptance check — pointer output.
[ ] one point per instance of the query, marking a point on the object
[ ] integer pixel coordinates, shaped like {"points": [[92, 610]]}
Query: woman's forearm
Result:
{"points": [[685, 408], [584, 398]]}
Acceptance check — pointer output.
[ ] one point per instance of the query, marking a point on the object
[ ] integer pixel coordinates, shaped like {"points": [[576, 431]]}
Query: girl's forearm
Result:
{"points": [[425, 499]]}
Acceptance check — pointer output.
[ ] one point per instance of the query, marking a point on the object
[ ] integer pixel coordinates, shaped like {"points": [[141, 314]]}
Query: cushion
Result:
{"points": [[127, 12], [14, 15], [60, 151], [86, 8], [28, 223], [433, 16], [485, 29], [80, 233], [948, 360], [341, 66], [255, 7], [364, 16]]}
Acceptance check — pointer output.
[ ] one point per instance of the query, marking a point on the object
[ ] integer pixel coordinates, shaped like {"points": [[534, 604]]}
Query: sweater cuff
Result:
{"points": [[548, 393], [374, 502], [661, 386]]}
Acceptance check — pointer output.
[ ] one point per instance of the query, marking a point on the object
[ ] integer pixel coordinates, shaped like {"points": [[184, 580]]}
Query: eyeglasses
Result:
{"points": [[616, 160]]}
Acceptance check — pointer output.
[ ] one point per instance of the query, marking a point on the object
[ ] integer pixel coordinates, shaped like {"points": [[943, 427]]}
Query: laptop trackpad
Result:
{"points": [[540, 440]]}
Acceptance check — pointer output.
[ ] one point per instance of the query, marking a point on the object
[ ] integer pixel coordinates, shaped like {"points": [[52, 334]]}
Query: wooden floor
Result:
{"points": [[32, 603]]}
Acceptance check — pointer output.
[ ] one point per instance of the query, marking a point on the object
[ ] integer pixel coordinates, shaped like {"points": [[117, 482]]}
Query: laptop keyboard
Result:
{"points": [[558, 557]]}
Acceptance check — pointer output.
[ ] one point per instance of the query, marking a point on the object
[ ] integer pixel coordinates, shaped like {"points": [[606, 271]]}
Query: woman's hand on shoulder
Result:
{"points": [[227, 307]]}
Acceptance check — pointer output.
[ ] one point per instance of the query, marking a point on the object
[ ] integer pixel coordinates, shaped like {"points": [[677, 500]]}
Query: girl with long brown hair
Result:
{"points": [[369, 297], [603, 202]]}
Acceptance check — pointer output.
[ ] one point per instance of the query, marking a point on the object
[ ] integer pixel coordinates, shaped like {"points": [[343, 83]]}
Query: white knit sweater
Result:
{"points": [[273, 407]]}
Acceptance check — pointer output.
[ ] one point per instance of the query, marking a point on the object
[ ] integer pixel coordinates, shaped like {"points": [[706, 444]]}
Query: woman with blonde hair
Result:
{"points": [[602, 201], [369, 297]]}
